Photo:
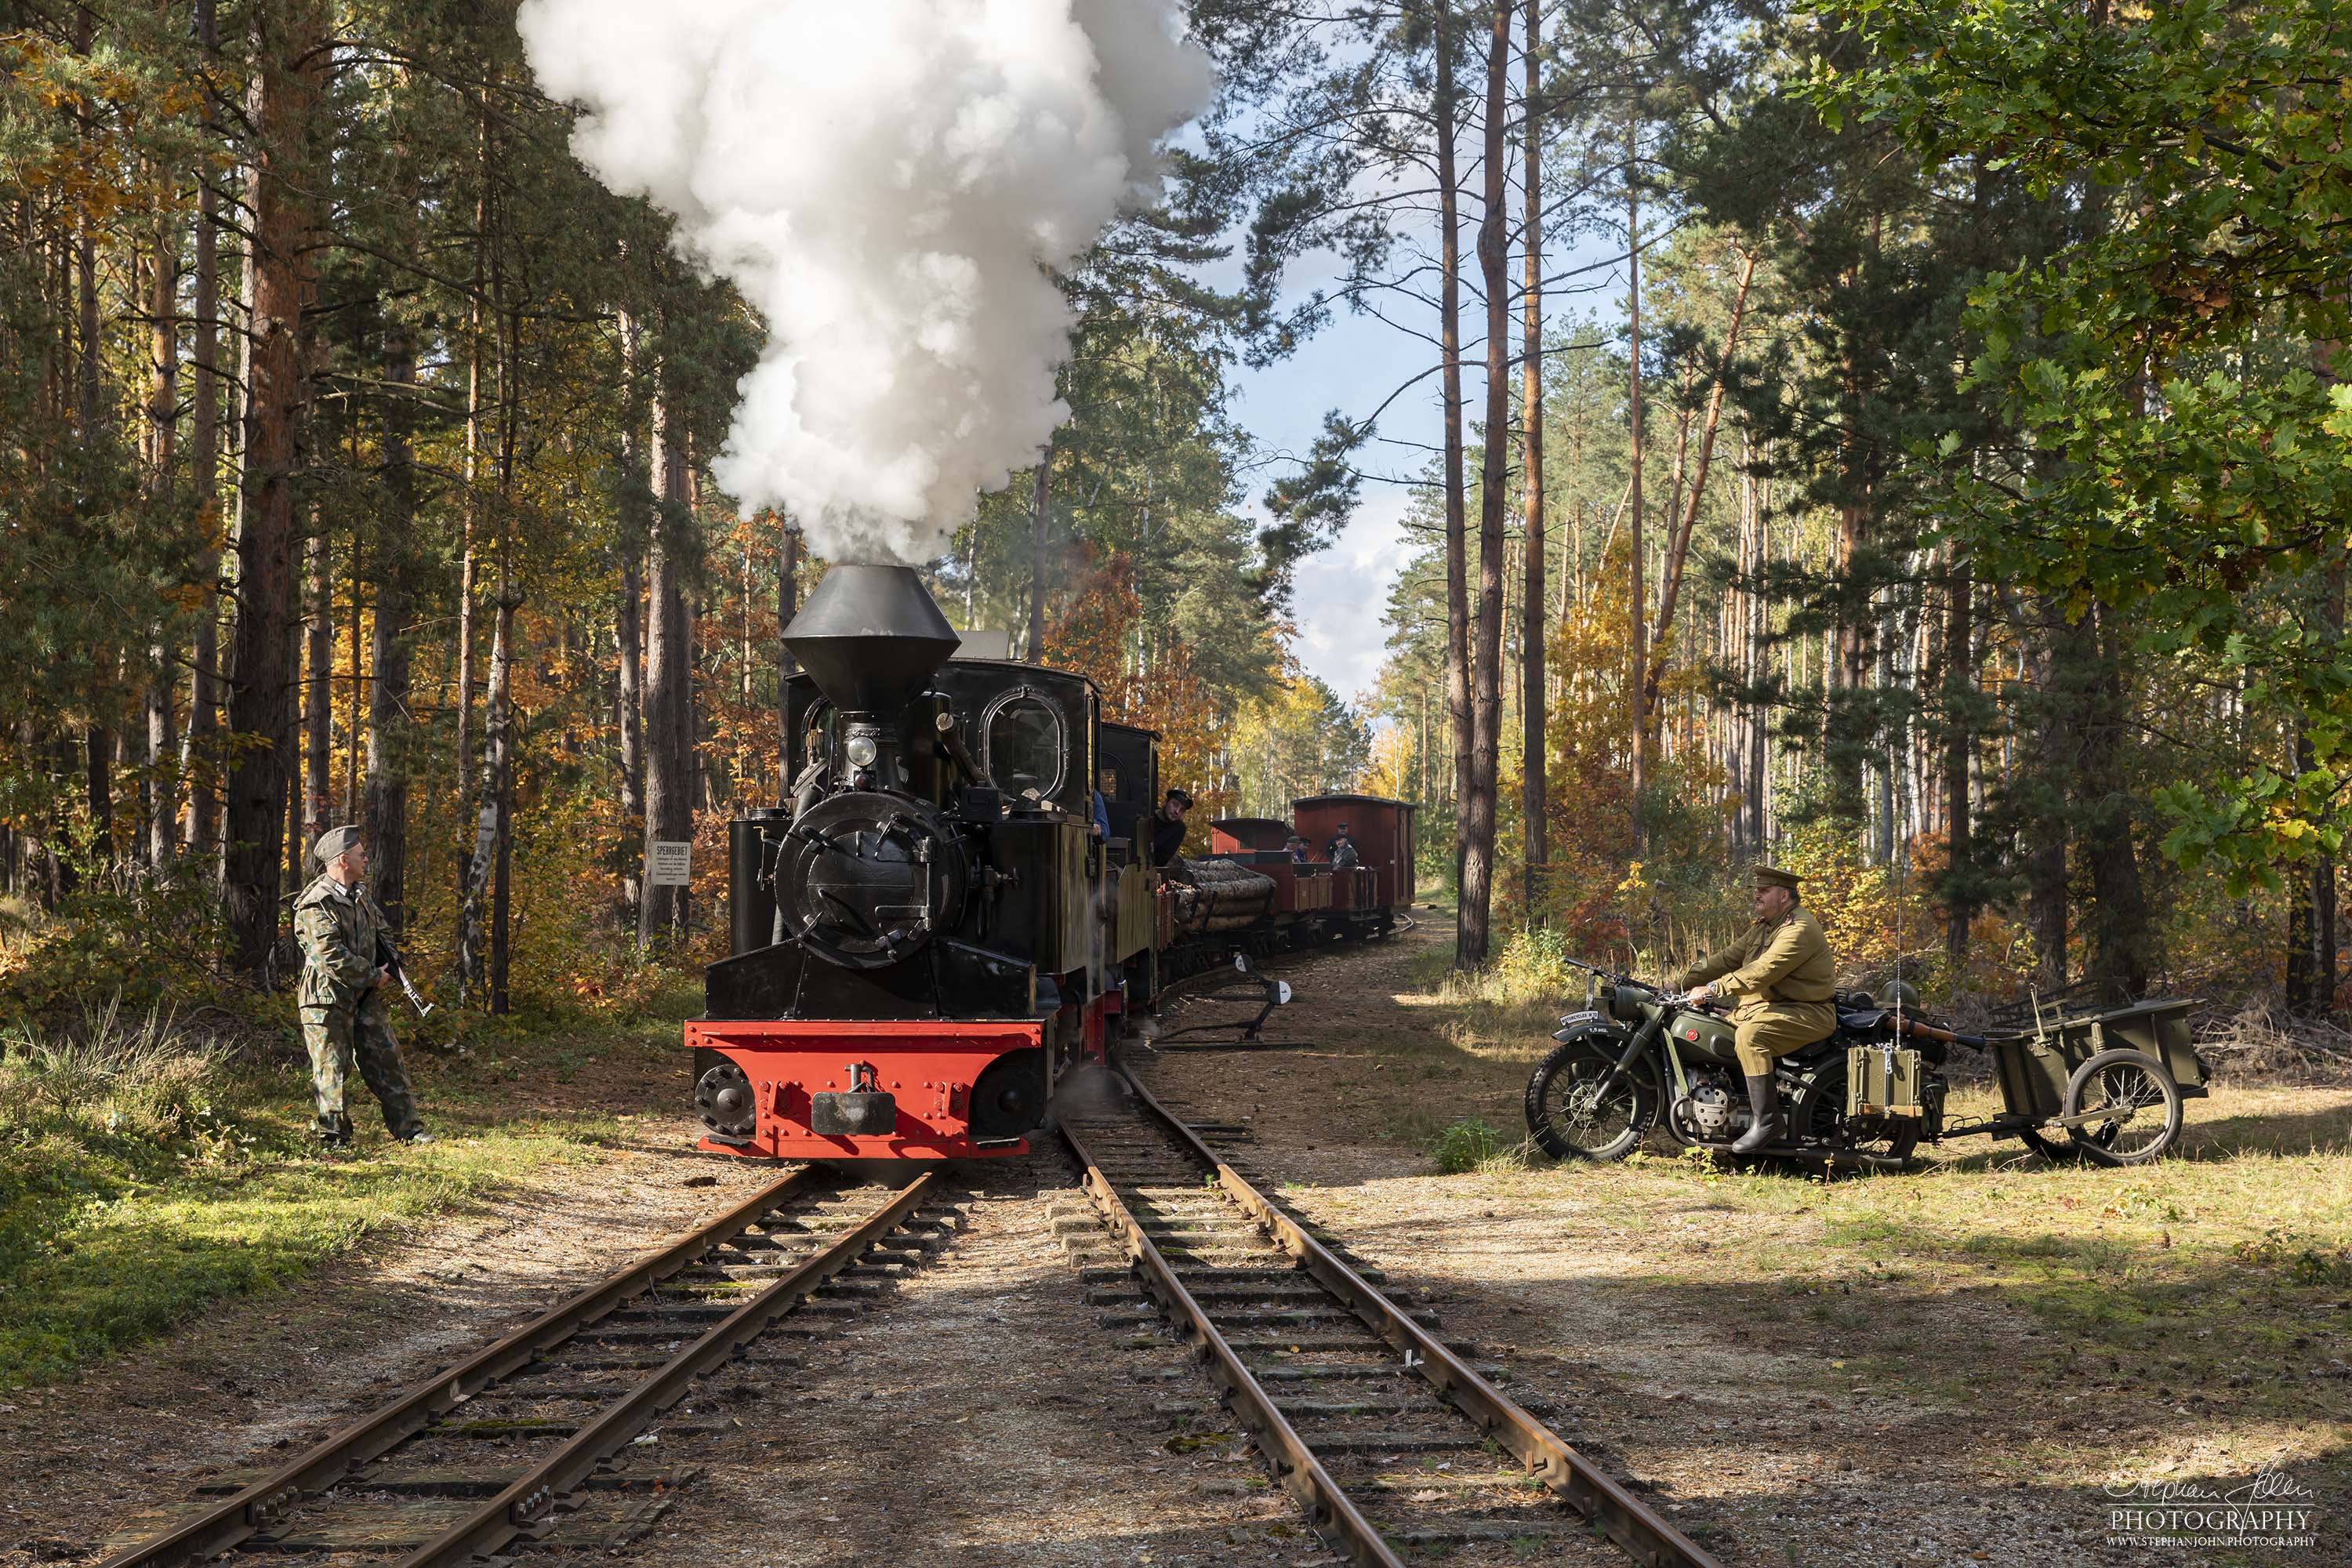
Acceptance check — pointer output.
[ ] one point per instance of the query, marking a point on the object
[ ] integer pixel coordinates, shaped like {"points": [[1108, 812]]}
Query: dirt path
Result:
{"points": [[979, 1416]]}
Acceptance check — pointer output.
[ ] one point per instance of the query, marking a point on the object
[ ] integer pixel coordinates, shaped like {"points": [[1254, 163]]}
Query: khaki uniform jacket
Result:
{"points": [[338, 931], [1775, 962]]}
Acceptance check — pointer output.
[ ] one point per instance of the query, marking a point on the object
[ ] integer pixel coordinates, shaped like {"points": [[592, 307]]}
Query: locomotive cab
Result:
{"points": [[916, 935]]}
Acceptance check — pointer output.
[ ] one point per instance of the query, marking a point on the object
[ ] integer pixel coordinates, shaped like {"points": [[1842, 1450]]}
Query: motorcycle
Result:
{"points": [[1641, 1058]]}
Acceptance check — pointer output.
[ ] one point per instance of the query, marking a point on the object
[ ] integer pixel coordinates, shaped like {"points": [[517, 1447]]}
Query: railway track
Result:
{"points": [[1395, 1443], [517, 1442]]}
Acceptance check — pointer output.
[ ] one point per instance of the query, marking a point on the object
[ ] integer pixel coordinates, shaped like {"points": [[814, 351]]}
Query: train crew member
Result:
{"points": [[1343, 848], [1780, 978], [1168, 827], [1302, 853], [1106, 784], [343, 1021]]}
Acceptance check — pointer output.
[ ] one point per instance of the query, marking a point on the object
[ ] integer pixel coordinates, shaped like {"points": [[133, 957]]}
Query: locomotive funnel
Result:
{"points": [[870, 637]]}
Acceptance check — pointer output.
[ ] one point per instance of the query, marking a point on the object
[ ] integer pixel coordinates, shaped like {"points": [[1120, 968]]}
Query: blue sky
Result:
{"points": [[1341, 591], [1353, 364]]}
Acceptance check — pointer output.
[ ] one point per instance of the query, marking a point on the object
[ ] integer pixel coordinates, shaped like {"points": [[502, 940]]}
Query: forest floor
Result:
{"points": [[1950, 1366], [1963, 1363], [141, 1188]]}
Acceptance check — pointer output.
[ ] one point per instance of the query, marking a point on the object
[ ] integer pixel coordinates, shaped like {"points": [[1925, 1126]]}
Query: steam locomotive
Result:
{"points": [[927, 935]]}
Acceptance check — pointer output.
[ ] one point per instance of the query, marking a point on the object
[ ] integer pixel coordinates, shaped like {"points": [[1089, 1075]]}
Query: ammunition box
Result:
{"points": [[1882, 1082]]}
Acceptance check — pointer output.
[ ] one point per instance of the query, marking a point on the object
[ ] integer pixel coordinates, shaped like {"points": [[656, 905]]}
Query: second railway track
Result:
{"points": [[1394, 1443], [516, 1444]]}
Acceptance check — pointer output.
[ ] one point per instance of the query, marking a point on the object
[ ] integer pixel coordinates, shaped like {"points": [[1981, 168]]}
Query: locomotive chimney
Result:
{"points": [[870, 637]]}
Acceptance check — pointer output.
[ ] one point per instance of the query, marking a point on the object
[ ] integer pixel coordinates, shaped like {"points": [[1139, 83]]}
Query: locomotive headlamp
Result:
{"points": [[861, 750]]}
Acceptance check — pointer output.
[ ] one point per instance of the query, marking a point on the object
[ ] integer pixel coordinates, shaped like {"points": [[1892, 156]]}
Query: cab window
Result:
{"points": [[1025, 749]]}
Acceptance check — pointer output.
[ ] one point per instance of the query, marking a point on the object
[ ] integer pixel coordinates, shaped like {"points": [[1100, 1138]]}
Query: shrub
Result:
{"points": [[111, 1076], [1467, 1146]]}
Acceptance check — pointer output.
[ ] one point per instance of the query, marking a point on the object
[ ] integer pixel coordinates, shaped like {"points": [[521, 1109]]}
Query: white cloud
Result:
{"points": [[1343, 592]]}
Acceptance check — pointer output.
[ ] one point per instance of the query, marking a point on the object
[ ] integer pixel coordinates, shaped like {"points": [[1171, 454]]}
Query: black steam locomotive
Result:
{"points": [[928, 933]]}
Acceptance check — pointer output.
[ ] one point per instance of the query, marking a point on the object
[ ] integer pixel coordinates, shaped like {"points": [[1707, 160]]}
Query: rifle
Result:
{"points": [[388, 957]]}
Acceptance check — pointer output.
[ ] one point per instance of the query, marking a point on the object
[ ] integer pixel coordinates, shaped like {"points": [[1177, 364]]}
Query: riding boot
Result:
{"points": [[1766, 1127]]}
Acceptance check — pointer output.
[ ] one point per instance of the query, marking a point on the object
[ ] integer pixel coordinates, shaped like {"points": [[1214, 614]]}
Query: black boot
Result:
{"points": [[1766, 1127]]}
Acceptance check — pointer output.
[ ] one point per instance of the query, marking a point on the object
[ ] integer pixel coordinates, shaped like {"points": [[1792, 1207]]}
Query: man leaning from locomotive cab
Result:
{"points": [[1780, 978], [1168, 827]]}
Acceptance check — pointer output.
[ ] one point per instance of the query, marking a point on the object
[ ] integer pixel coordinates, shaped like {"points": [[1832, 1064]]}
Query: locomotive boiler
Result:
{"points": [[927, 932], [916, 947]]}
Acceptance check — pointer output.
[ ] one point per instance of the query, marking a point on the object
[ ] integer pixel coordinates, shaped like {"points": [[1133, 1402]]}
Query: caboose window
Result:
{"points": [[1024, 745]]}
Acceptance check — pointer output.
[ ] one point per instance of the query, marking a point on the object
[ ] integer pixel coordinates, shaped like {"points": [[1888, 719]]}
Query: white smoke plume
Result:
{"points": [[886, 182]]}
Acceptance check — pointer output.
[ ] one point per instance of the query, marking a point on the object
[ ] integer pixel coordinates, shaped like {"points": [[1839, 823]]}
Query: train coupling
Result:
{"points": [[865, 1109]]}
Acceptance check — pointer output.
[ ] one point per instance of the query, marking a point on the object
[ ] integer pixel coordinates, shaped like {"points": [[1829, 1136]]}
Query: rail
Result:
{"points": [[520, 1506], [1625, 1520]]}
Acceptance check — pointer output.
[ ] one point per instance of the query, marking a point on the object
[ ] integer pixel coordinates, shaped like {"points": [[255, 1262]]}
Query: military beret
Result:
{"points": [[1773, 877], [333, 842]]}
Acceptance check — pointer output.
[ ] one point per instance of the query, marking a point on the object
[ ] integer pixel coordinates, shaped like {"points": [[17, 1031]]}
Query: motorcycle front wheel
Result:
{"points": [[1570, 1118]]}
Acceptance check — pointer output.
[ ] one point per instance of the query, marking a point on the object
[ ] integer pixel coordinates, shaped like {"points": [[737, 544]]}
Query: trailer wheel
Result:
{"points": [[2135, 1101]]}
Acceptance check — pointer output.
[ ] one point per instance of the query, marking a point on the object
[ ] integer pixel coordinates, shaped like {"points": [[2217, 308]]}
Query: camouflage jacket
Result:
{"points": [[338, 931]]}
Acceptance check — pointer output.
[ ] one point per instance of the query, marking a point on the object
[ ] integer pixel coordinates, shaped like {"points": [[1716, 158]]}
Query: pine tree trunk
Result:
{"points": [[289, 58], [1533, 621], [1457, 572], [197, 762], [628, 633], [1486, 697], [161, 787], [1040, 515], [1960, 688], [97, 780], [788, 604], [469, 505], [318, 690], [669, 722], [497, 767], [1678, 551], [384, 801], [1638, 652], [1761, 822], [2121, 941]]}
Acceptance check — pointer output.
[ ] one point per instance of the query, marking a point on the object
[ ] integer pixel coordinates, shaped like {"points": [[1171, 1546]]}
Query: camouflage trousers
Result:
{"points": [[341, 1038]]}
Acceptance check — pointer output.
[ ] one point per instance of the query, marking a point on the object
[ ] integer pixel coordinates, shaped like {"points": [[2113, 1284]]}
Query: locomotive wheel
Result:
{"points": [[1570, 1121], [2136, 1101], [1820, 1116], [724, 1098]]}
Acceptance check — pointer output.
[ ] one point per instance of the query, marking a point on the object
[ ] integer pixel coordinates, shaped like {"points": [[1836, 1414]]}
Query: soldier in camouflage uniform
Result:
{"points": [[344, 985]]}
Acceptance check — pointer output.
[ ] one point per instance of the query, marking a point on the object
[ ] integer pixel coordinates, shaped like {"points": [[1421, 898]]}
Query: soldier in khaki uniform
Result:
{"points": [[344, 1022], [1780, 978]]}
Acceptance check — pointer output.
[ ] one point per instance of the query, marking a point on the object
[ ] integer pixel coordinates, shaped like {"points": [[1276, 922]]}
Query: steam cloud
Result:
{"points": [[886, 182]]}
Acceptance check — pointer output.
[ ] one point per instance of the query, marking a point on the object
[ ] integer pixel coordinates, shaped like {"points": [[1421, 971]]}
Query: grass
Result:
{"points": [[148, 1171], [1467, 1146], [2092, 1322]]}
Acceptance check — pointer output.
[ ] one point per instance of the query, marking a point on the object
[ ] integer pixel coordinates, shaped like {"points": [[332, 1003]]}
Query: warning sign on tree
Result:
{"points": [[669, 865]]}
